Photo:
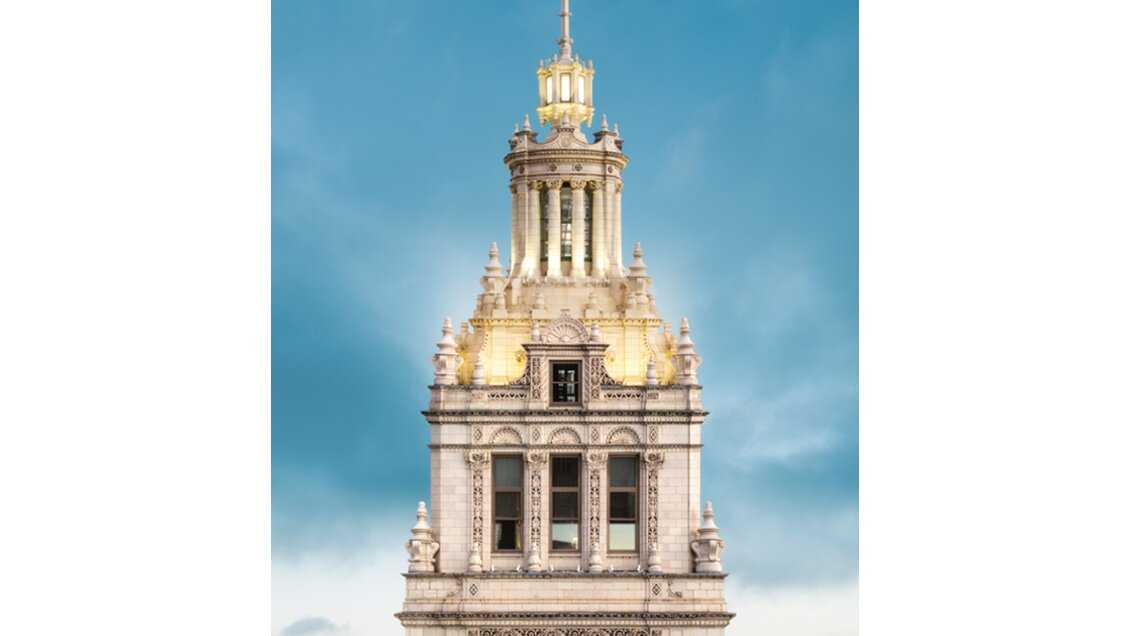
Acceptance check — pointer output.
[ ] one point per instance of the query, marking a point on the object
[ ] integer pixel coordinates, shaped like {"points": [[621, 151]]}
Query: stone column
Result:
{"points": [[578, 191], [517, 227], [617, 252], [553, 249], [599, 245], [609, 222], [596, 465], [531, 258]]}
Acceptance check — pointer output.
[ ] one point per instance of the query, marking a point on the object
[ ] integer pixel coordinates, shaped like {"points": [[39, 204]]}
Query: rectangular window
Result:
{"points": [[565, 505], [623, 503], [566, 377], [507, 483]]}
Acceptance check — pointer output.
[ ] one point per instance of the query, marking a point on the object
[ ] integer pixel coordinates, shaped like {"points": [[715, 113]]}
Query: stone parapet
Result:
{"points": [[619, 599]]}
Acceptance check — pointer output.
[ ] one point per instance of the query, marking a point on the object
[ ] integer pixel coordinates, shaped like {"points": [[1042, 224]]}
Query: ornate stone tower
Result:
{"points": [[566, 418]]}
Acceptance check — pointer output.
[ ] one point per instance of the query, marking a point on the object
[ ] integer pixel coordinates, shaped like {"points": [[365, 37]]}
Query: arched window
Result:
{"points": [[581, 89], [549, 89], [564, 88]]}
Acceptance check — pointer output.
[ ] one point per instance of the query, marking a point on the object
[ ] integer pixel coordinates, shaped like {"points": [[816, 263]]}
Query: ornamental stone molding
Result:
{"points": [[564, 435], [507, 435], [623, 436]]}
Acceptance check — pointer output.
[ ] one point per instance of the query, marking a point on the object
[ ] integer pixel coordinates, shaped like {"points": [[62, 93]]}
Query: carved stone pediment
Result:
{"points": [[565, 330]]}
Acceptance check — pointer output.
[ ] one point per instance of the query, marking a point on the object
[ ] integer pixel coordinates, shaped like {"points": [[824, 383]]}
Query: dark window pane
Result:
{"points": [[507, 535], [566, 377], [566, 536], [621, 536], [507, 472], [507, 504], [622, 505], [565, 505], [566, 471], [622, 472]]}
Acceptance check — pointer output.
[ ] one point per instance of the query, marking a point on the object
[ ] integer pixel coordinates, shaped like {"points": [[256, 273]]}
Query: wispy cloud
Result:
{"points": [[314, 626]]}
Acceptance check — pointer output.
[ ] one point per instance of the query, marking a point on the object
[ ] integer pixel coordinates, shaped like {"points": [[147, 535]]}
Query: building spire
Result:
{"points": [[566, 42]]}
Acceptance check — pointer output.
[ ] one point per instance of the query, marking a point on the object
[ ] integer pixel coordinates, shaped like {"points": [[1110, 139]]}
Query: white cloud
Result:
{"points": [[357, 594], [825, 610]]}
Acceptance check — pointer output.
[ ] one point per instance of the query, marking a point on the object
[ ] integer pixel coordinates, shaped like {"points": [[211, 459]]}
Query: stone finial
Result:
{"points": [[478, 374], [493, 266], [596, 562], [533, 559], [444, 359], [616, 129], [638, 268], [603, 120], [422, 547], [652, 375], [594, 333], [707, 545], [526, 122], [687, 359], [535, 333], [516, 128], [475, 560], [654, 562]]}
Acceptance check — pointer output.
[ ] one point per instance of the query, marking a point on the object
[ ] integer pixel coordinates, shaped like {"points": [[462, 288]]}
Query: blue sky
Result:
{"points": [[389, 123]]}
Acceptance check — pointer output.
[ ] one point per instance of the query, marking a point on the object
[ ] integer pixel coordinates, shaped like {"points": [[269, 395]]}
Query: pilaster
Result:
{"points": [[596, 470], [553, 228], [578, 191], [531, 263], [610, 221], [599, 242], [617, 242]]}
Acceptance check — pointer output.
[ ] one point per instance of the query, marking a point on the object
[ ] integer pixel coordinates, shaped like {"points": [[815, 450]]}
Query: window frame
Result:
{"points": [[639, 504], [494, 489], [554, 489], [579, 383]]}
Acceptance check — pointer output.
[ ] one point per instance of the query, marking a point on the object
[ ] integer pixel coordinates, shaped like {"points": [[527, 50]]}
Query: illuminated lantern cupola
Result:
{"points": [[565, 83]]}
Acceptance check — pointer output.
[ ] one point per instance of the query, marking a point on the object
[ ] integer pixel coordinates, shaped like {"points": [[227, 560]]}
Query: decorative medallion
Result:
{"points": [[553, 167], [578, 167]]}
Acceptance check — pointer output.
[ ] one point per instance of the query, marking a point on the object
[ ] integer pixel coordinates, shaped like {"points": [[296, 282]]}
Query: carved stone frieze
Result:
{"points": [[564, 631]]}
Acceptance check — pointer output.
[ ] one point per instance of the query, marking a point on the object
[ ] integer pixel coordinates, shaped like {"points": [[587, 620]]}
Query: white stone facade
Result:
{"points": [[635, 393]]}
